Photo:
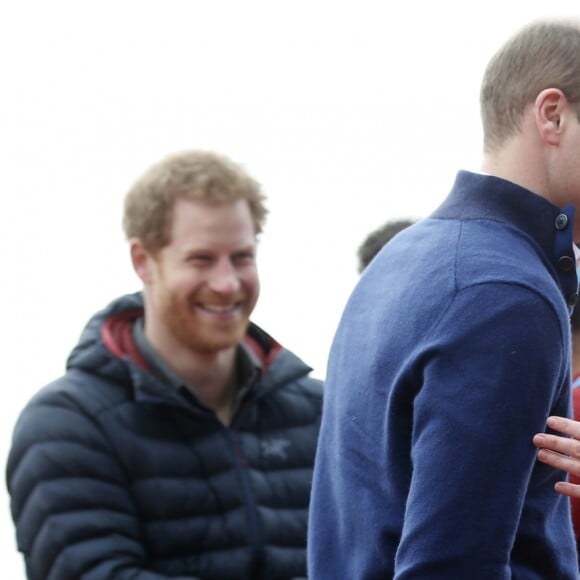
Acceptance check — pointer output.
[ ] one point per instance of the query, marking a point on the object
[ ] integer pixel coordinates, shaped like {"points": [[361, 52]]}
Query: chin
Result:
{"points": [[214, 346], [214, 341]]}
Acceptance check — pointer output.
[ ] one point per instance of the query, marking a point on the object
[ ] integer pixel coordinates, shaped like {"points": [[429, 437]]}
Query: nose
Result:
{"points": [[224, 278]]}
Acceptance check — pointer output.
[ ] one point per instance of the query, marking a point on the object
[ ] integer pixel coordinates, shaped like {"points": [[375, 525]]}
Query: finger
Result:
{"points": [[559, 461], [567, 488], [563, 445], [567, 426]]}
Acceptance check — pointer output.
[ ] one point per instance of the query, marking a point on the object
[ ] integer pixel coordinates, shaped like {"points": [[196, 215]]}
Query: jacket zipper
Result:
{"points": [[254, 535]]}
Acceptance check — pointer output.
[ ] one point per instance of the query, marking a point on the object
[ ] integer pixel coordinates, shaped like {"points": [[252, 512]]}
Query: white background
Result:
{"points": [[348, 113]]}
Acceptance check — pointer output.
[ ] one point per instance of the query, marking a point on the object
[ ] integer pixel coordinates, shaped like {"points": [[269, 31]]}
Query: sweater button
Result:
{"points": [[561, 221], [573, 299], [565, 263]]}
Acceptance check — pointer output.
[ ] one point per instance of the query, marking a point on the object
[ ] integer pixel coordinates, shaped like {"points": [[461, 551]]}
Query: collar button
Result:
{"points": [[561, 221], [566, 263]]}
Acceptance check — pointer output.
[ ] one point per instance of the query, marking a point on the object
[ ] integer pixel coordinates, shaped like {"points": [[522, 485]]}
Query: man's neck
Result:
{"points": [[210, 375], [213, 379], [523, 159], [513, 164]]}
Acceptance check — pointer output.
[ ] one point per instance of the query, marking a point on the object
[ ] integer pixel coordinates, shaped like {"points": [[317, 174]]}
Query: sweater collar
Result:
{"points": [[479, 196]]}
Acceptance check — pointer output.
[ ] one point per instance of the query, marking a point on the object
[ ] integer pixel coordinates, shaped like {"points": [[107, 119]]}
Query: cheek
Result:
{"points": [[252, 283], [181, 282]]}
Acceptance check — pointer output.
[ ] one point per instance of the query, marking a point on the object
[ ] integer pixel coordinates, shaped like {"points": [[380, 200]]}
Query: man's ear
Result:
{"points": [[141, 259], [551, 109]]}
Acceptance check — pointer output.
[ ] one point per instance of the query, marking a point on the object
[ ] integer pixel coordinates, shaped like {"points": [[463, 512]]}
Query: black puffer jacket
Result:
{"points": [[113, 474]]}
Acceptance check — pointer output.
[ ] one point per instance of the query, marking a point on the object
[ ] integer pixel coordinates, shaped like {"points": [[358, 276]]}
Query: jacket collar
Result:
{"points": [[106, 348]]}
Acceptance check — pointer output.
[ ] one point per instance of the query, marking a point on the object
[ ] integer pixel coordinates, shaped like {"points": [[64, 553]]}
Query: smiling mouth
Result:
{"points": [[214, 309]]}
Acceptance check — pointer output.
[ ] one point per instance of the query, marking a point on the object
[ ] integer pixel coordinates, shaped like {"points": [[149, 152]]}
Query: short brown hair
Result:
{"points": [[542, 55], [192, 175]]}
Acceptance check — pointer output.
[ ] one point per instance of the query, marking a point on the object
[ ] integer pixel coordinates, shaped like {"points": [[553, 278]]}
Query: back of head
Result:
{"points": [[542, 55], [192, 175], [377, 239]]}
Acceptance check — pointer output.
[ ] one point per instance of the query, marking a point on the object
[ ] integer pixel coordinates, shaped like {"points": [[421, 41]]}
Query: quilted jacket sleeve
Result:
{"points": [[70, 500]]}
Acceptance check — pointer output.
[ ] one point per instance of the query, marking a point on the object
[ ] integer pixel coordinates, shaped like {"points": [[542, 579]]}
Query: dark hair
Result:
{"points": [[377, 239]]}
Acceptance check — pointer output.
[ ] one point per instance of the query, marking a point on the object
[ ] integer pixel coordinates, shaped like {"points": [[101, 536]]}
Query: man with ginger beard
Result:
{"points": [[180, 441]]}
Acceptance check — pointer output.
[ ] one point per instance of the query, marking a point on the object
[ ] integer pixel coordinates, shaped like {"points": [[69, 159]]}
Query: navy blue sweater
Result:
{"points": [[452, 351], [113, 474]]}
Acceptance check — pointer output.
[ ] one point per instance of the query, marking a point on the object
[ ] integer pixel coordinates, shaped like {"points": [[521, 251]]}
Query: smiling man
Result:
{"points": [[180, 441]]}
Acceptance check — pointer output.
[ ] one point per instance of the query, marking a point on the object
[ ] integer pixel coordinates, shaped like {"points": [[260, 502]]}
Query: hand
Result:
{"points": [[561, 452]]}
